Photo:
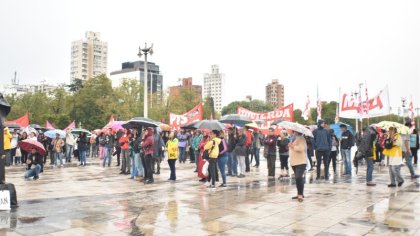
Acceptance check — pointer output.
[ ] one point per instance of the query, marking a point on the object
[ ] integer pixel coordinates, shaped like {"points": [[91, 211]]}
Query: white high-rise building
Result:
{"points": [[88, 57], [214, 87]]}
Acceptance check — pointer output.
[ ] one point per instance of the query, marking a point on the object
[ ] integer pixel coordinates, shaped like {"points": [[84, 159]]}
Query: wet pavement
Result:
{"points": [[98, 201]]}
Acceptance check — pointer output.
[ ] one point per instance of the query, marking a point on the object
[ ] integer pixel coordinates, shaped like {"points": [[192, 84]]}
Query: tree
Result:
{"points": [[126, 101], [208, 109], [253, 105], [76, 85]]}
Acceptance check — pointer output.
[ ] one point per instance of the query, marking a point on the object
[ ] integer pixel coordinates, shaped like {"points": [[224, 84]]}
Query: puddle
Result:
{"points": [[29, 220]]}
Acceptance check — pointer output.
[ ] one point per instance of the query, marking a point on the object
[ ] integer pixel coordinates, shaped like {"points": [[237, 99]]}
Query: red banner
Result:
{"points": [[22, 121], [195, 114], [265, 119]]}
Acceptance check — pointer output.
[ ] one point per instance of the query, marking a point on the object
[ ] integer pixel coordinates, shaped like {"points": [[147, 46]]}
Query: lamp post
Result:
{"points": [[146, 50], [4, 111]]}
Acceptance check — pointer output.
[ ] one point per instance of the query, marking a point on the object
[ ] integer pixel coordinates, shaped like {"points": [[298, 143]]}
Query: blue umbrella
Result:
{"points": [[52, 133], [337, 129]]}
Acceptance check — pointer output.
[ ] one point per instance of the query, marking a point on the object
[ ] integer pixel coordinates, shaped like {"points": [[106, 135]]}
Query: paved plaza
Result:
{"points": [[98, 201]]}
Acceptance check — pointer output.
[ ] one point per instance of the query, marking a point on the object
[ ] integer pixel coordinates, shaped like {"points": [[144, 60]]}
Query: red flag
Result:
{"points": [[111, 121], [48, 125], [72, 125], [306, 112], [195, 114], [22, 121]]}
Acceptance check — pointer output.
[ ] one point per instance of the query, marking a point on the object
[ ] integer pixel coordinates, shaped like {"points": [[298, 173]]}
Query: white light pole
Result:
{"points": [[145, 51]]}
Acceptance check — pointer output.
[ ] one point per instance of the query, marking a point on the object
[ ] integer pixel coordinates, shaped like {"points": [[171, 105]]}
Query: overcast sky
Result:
{"points": [[301, 43]]}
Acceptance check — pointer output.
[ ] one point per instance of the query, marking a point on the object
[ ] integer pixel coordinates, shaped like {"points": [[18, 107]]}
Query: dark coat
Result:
{"points": [[240, 147]]}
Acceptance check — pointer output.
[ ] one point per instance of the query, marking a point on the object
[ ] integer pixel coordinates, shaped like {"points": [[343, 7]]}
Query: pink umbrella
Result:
{"points": [[117, 125], [29, 144]]}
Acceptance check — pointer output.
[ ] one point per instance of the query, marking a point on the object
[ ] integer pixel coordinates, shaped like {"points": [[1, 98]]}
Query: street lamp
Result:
{"points": [[146, 50]]}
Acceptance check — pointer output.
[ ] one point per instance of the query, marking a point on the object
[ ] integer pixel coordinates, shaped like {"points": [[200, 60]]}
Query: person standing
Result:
{"points": [[240, 152], [92, 146], [232, 164], [393, 149], [125, 153], [157, 152], [256, 146], [222, 158], [82, 146], [283, 144], [249, 150], [44, 140], [408, 156], [212, 147], [195, 146], [322, 146], [346, 143], [25, 153], [414, 144], [108, 146], [117, 151], [297, 152], [7, 146], [148, 146], [182, 145], [334, 151], [310, 150], [172, 147], [14, 144], [270, 143], [58, 145], [70, 142]]}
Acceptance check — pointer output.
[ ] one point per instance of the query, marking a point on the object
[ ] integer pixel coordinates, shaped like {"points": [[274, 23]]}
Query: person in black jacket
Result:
{"points": [[35, 160], [346, 143], [283, 145], [415, 149], [232, 162], [82, 146], [322, 145]]}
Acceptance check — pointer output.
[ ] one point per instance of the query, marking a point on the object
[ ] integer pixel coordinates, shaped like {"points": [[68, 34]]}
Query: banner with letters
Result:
{"points": [[195, 114]]}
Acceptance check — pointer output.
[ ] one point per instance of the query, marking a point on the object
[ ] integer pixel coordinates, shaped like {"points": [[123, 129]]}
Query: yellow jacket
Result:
{"points": [[213, 145], [172, 146], [7, 139], [396, 150]]}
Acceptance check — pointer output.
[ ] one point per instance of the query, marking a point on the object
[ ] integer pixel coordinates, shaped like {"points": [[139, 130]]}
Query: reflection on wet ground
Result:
{"points": [[96, 201]]}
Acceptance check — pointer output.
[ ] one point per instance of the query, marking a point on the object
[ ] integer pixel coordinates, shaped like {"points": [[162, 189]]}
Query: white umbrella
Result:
{"points": [[295, 127]]}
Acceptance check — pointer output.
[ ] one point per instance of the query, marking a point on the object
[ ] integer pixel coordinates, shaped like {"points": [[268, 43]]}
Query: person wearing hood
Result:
{"points": [[148, 146], [322, 146], [70, 142], [212, 147], [157, 151]]}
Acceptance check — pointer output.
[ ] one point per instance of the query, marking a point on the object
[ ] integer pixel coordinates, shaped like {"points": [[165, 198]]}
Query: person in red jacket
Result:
{"points": [[147, 145]]}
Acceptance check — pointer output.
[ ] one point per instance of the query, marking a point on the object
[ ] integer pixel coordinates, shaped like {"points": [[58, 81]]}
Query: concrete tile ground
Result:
{"points": [[98, 201]]}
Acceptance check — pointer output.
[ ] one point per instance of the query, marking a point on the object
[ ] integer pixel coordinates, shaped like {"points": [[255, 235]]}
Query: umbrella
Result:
{"points": [[210, 125], [252, 125], [53, 132], [295, 127], [138, 122], [235, 119], [13, 126], [401, 129], [36, 126], [190, 125], [164, 127], [29, 130], [29, 144], [276, 122], [337, 129], [78, 131], [117, 125]]}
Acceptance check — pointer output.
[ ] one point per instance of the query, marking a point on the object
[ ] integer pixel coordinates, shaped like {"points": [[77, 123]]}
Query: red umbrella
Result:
{"points": [[29, 144]]}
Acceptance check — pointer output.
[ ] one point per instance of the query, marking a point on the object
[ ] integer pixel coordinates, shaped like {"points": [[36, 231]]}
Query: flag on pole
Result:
{"points": [[366, 103], [411, 110], [48, 125], [72, 125], [337, 118], [319, 105], [306, 111]]}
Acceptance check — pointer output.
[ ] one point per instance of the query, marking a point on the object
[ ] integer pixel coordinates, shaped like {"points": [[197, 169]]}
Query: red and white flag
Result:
{"points": [[306, 111], [411, 110], [319, 109], [48, 125], [72, 125]]}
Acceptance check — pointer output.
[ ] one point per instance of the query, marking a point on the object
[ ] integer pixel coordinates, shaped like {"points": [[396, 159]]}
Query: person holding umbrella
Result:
{"points": [[297, 152], [34, 159], [58, 144], [393, 149], [70, 142]]}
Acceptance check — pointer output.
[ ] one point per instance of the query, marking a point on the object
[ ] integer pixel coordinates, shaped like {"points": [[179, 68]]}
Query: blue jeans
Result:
{"points": [[69, 152], [409, 161], [221, 162], [82, 155], [233, 163], [182, 156], [257, 156], [135, 165], [58, 157], [108, 151], [369, 170], [139, 164], [346, 155], [33, 172]]}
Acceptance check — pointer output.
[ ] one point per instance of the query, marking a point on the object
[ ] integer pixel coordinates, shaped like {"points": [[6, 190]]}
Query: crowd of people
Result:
{"points": [[230, 153]]}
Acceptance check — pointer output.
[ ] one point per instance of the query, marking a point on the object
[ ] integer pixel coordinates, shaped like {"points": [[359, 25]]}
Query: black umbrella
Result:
{"points": [[139, 122], [210, 125], [190, 125], [36, 126], [13, 126], [235, 119]]}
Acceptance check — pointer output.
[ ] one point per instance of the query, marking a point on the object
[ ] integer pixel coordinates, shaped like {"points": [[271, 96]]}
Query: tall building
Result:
{"points": [[274, 94], [186, 84], [214, 87], [135, 70], [88, 57]]}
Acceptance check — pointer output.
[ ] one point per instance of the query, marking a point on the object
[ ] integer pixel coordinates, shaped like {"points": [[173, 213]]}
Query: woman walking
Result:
{"points": [[283, 144], [212, 147], [297, 152], [393, 150], [222, 159], [172, 147]]}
